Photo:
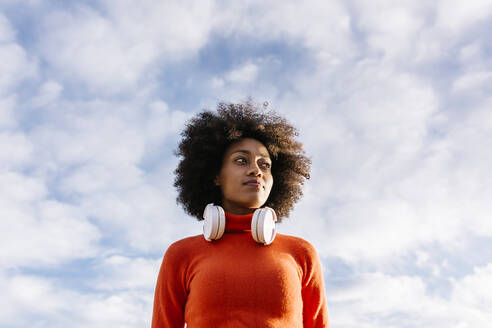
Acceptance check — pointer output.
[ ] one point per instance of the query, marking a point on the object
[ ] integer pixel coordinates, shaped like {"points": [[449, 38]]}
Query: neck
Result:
{"points": [[236, 210], [238, 222]]}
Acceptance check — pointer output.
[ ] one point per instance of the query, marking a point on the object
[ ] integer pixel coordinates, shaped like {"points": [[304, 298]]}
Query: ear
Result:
{"points": [[217, 181]]}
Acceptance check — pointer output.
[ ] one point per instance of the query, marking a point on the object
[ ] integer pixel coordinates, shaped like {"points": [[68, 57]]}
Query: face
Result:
{"points": [[245, 178]]}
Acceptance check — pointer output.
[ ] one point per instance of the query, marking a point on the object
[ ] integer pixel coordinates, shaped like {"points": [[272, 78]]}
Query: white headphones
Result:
{"points": [[262, 224]]}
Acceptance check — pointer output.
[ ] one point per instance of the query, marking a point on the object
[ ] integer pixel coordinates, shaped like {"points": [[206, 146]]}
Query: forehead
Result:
{"points": [[248, 145]]}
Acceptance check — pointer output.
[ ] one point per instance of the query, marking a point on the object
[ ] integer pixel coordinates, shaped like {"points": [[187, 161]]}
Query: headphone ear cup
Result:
{"points": [[263, 227], [214, 222]]}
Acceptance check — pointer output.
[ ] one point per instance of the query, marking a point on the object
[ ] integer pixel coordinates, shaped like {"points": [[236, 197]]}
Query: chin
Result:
{"points": [[249, 202], [252, 204], [257, 204]]}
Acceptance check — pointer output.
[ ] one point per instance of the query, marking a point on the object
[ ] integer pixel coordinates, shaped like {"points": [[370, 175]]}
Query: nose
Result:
{"points": [[254, 170]]}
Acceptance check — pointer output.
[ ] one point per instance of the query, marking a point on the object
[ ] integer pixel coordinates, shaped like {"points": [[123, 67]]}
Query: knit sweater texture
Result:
{"points": [[236, 282]]}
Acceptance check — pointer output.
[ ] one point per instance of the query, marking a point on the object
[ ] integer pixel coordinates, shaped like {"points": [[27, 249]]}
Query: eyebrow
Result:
{"points": [[248, 152]]}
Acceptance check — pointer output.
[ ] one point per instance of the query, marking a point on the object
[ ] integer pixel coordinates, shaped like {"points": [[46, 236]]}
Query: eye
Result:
{"points": [[266, 165], [240, 160]]}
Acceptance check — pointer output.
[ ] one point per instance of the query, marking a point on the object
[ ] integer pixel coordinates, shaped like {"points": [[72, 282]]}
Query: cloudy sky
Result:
{"points": [[392, 101]]}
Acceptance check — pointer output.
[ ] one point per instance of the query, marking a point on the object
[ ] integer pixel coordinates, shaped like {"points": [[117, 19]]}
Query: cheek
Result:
{"points": [[228, 181], [269, 185]]}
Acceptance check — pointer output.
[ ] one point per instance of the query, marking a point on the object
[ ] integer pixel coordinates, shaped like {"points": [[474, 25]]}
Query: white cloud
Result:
{"points": [[472, 80], [95, 132], [458, 16], [92, 153], [145, 217], [48, 93], [392, 168], [25, 295], [99, 148], [244, 74], [93, 53], [475, 290], [323, 27], [217, 82], [470, 182], [119, 272], [389, 108], [29, 290], [114, 51], [230, 84], [94, 178], [124, 309], [375, 298], [16, 150], [37, 231], [28, 300], [471, 53], [29, 2], [390, 28], [7, 118], [18, 188], [382, 294], [367, 157], [163, 122], [7, 34], [15, 64]]}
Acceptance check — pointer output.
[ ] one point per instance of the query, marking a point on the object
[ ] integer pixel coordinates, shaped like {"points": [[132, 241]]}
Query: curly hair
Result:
{"points": [[206, 139]]}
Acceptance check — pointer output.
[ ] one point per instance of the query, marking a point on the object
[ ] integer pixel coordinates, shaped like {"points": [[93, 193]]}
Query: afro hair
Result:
{"points": [[206, 139]]}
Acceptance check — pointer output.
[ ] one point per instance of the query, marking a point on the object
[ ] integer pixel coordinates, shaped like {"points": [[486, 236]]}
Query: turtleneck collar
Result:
{"points": [[238, 222]]}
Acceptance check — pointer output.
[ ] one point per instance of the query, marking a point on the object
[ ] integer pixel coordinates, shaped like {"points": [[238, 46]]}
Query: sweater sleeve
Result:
{"points": [[315, 313], [170, 292]]}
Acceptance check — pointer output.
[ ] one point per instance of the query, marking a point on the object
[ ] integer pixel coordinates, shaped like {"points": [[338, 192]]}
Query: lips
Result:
{"points": [[252, 182]]}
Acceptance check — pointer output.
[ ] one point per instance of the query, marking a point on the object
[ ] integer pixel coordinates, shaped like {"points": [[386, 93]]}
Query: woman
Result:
{"points": [[242, 171]]}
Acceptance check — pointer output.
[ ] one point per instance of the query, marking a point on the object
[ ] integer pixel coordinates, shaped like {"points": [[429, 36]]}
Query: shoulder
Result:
{"points": [[184, 247], [187, 242], [297, 245], [300, 249]]}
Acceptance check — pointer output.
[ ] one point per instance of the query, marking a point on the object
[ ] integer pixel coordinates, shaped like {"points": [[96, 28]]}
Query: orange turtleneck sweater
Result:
{"points": [[236, 282]]}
